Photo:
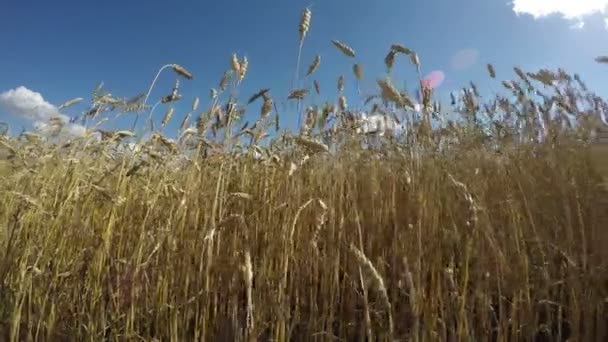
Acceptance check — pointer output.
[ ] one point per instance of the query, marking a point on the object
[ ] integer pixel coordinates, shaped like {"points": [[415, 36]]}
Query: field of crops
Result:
{"points": [[487, 226]]}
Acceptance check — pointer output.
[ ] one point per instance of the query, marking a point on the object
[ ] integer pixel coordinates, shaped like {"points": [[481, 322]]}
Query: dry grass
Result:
{"points": [[470, 231]]}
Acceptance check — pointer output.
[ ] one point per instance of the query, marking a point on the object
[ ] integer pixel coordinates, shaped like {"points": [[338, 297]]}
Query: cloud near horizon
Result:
{"points": [[568, 9], [30, 105]]}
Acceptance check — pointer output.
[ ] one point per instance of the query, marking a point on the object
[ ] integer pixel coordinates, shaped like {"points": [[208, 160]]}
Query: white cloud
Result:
{"points": [[579, 25], [379, 124], [30, 105], [568, 9]]}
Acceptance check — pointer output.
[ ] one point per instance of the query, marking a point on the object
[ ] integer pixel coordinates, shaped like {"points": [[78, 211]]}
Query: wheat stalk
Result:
{"points": [[261, 93], [415, 60], [389, 60], [298, 94], [317, 87], [345, 49], [180, 70], [377, 282], [520, 73], [235, 65], [70, 103], [167, 116], [248, 275], [314, 65], [224, 81], [244, 67], [491, 70], [303, 29], [602, 59], [401, 49], [389, 92], [342, 103], [358, 71], [266, 107], [312, 144], [304, 23], [185, 121]]}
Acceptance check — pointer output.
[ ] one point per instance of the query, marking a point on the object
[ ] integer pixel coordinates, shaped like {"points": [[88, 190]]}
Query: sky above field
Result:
{"points": [[53, 51]]}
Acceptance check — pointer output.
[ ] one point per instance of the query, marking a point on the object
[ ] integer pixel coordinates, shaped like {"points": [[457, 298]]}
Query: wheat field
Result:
{"points": [[460, 230]]}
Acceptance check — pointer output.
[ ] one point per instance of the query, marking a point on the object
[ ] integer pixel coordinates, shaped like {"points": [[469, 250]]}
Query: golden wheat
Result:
{"points": [[225, 237]]}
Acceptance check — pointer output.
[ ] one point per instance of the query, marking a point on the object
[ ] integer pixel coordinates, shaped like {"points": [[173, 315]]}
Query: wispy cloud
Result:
{"points": [[30, 105], [464, 59], [574, 10]]}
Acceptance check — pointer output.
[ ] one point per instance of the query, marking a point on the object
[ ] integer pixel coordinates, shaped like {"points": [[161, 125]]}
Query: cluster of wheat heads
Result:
{"points": [[493, 230]]}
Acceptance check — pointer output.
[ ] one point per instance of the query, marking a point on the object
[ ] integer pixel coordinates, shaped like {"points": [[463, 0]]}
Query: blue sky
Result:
{"points": [[62, 49]]}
